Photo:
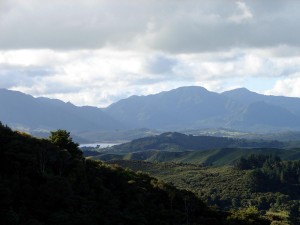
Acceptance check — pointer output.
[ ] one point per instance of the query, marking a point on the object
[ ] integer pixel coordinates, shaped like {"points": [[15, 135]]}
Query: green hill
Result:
{"points": [[177, 147], [47, 181], [230, 188], [216, 157], [174, 141]]}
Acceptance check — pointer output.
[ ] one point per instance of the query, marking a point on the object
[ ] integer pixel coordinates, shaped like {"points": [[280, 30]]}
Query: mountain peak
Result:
{"points": [[189, 91], [241, 90], [192, 88]]}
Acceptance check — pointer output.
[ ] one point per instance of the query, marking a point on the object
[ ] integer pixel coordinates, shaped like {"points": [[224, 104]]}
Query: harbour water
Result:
{"points": [[101, 145]]}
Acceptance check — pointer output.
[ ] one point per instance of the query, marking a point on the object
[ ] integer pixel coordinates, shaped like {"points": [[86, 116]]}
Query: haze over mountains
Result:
{"points": [[182, 108]]}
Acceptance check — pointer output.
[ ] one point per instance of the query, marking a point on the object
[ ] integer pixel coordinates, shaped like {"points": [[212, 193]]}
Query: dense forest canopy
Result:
{"points": [[263, 182]]}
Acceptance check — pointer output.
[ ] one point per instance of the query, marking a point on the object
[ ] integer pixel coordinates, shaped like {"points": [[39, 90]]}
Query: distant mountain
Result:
{"points": [[184, 108], [245, 96], [24, 111], [262, 113], [195, 107]]}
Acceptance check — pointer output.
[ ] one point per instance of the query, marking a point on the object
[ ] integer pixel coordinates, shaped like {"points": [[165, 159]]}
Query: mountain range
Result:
{"points": [[179, 109], [20, 110], [196, 107]]}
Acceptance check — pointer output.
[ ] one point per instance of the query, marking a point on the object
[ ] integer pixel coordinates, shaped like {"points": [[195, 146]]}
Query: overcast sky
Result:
{"points": [[95, 52]]}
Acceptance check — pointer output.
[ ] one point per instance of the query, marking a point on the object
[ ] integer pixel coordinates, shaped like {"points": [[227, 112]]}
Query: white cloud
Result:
{"points": [[286, 87], [100, 77]]}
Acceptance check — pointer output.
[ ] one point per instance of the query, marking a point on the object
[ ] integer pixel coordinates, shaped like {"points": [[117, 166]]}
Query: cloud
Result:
{"points": [[159, 64], [94, 52], [11, 76], [286, 87], [167, 26], [100, 77]]}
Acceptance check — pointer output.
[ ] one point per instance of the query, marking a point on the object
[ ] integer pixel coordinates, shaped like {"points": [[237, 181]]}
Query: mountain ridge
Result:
{"points": [[44, 113], [190, 107], [205, 109]]}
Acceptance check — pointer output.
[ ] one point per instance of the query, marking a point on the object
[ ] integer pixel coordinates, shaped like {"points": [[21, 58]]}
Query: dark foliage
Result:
{"points": [[43, 183], [270, 173], [256, 161], [235, 190]]}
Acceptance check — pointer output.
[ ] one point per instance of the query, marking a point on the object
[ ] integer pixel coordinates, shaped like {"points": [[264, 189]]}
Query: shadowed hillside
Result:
{"points": [[46, 181]]}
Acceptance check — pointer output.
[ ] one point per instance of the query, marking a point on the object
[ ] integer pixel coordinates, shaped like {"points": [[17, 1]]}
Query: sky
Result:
{"points": [[96, 52]]}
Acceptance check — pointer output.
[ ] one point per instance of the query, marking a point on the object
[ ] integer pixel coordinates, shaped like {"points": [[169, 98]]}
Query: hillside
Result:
{"points": [[214, 157], [231, 188], [206, 150], [174, 141], [48, 182], [262, 114]]}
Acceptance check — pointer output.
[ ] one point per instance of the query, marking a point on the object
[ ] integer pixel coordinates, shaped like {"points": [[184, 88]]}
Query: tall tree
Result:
{"points": [[63, 140]]}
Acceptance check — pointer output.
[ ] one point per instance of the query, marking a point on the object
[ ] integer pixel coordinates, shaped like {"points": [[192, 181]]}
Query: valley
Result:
{"points": [[149, 112], [233, 155], [226, 173]]}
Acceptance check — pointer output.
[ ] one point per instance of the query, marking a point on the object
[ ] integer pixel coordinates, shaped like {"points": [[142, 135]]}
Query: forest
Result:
{"points": [[263, 182], [48, 181]]}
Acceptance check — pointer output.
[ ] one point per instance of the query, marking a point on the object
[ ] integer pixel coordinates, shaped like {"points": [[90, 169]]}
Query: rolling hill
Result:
{"points": [[214, 157], [174, 141], [205, 150]]}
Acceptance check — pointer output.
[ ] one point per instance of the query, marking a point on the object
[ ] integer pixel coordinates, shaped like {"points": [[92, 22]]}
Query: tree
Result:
{"points": [[62, 139], [247, 216]]}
